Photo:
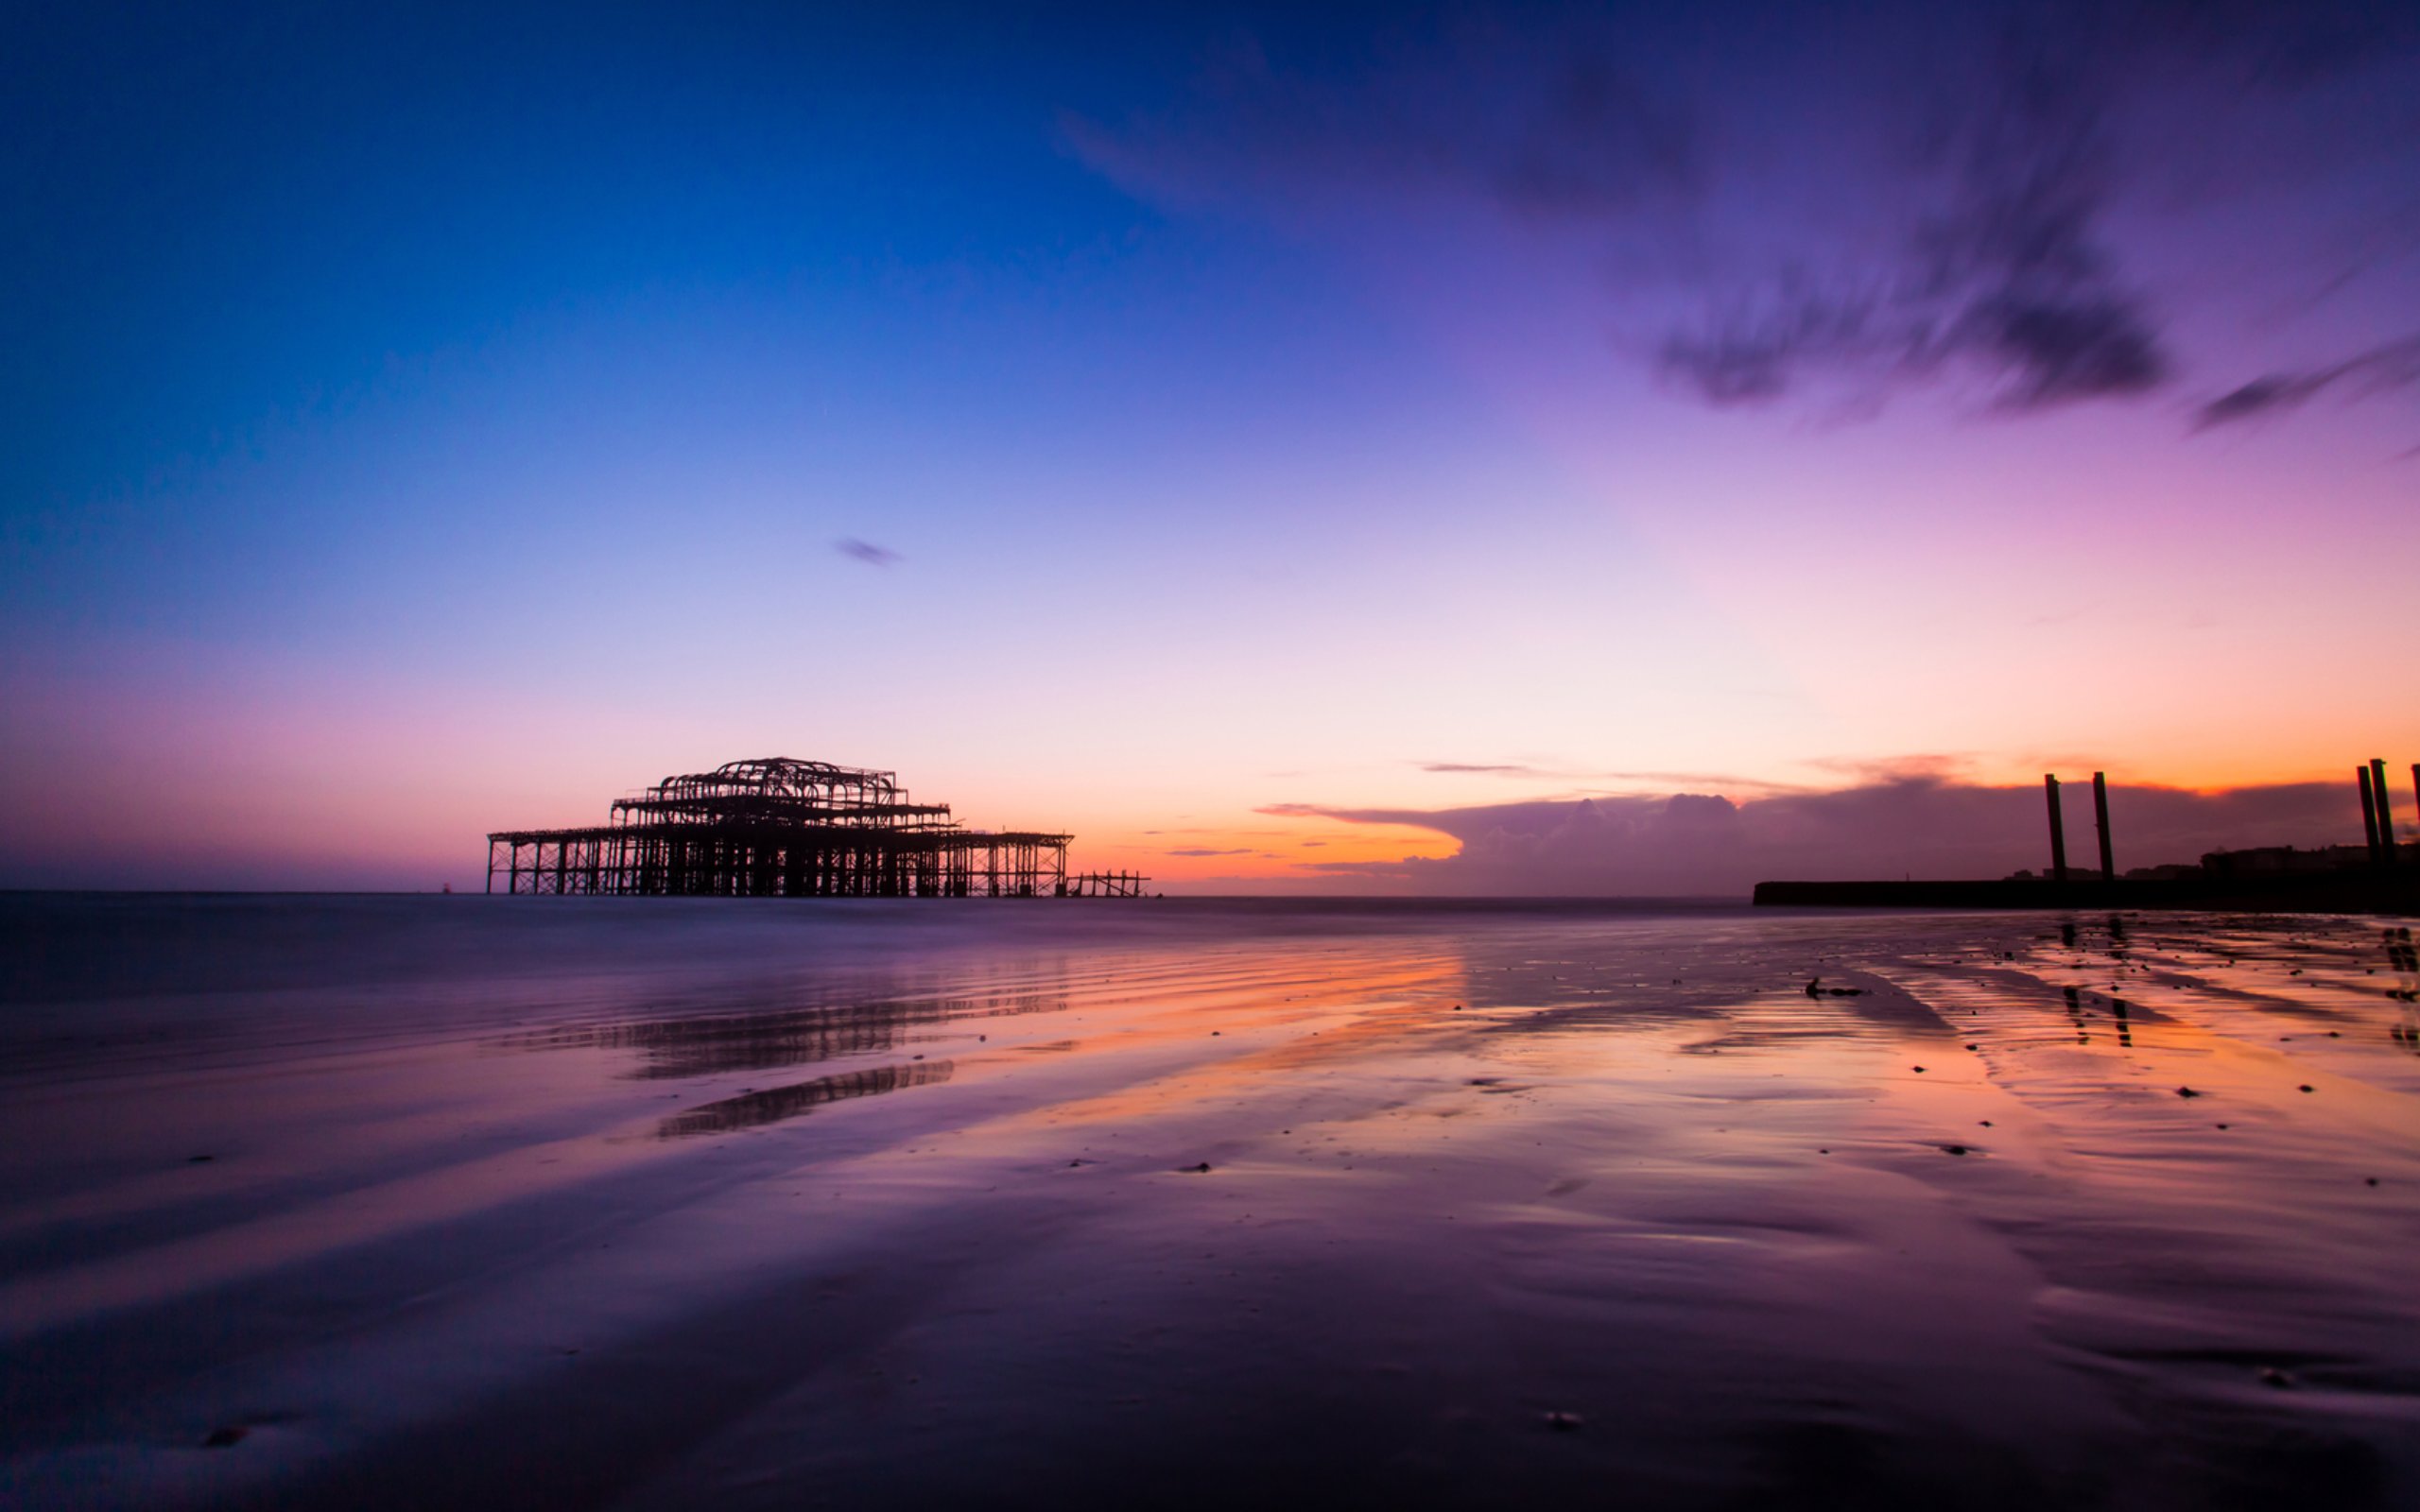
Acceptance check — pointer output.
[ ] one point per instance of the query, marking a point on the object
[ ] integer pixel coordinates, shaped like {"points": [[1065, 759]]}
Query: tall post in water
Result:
{"points": [[2368, 814], [2101, 820], [2058, 830], [2386, 811]]}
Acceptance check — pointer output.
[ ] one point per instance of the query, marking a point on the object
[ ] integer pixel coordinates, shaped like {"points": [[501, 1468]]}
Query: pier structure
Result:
{"points": [[779, 827], [1106, 885]]}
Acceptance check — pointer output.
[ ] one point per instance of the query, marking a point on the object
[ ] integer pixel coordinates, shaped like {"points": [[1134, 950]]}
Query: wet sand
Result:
{"points": [[364, 1202]]}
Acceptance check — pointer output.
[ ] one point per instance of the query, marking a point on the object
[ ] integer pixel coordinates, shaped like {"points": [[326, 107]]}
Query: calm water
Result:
{"points": [[414, 1202]]}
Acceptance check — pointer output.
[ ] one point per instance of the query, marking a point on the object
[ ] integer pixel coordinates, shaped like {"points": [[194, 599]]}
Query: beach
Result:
{"points": [[417, 1201]]}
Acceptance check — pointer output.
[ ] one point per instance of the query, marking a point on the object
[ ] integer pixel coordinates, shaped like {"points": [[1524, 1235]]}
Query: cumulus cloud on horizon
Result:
{"points": [[1923, 826]]}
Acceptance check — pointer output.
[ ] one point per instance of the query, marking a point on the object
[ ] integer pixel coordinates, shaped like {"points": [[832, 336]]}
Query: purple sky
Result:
{"points": [[426, 422]]}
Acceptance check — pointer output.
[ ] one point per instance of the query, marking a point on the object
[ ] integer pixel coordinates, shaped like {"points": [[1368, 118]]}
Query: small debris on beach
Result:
{"points": [[2306, 1086], [1195, 1169], [224, 1437], [1563, 1422], [1953, 1149], [2187, 1092], [2275, 1377], [198, 1159]]}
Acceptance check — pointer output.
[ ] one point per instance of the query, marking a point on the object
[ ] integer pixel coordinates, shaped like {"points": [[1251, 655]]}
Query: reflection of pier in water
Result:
{"points": [[772, 1105], [715, 1045], [715, 1042]]}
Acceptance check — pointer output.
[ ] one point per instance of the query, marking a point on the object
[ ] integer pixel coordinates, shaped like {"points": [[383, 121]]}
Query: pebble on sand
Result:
{"points": [[1953, 1149], [1194, 1169], [2187, 1092], [1563, 1422], [223, 1437]]}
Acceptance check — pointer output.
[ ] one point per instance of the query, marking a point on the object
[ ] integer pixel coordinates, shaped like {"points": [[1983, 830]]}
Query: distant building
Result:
{"points": [[2175, 871], [2278, 860]]}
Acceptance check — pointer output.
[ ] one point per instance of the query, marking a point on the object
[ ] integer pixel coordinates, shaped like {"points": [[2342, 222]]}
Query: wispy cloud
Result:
{"points": [[1492, 769], [1580, 777], [2008, 274], [2381, 369], [867, 552], [1921, 197]]}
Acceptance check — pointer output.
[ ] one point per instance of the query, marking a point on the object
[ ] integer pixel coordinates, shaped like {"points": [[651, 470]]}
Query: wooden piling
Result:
{"points": [[2386, 812], [2100, 821], [2058, 830], [2368, 814]]}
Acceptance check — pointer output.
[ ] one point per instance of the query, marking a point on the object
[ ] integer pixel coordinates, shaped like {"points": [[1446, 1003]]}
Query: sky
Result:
{"points": [[1292, 448]]}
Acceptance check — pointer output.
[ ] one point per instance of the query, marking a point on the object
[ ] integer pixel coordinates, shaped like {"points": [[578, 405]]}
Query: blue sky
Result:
{"points": [[423, 424]]}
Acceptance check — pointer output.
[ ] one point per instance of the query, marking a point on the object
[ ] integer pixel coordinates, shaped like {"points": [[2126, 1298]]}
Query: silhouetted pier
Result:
{"points": [[779, 827]]}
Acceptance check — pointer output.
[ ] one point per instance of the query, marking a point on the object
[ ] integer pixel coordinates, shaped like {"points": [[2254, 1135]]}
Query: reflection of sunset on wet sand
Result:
{"points": [[670, 1205]]}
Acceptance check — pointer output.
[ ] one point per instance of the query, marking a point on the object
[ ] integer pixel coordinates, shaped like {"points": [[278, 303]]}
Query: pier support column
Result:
{"points": [[2058, 830], [2368, 814], [2100, 821], [2386, 812]]}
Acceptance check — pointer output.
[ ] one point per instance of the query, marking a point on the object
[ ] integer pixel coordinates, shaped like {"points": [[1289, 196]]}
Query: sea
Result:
{"points": [[413, 1202]]}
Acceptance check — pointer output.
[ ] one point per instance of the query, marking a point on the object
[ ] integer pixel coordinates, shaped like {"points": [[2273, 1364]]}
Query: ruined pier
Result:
{"points": [[779, 827]]}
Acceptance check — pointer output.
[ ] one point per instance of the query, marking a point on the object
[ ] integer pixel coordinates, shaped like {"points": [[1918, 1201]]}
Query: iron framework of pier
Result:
{"points": [[778, 827]]}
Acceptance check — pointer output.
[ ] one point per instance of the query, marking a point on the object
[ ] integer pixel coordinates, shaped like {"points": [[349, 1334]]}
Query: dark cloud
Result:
{"points": [[2008, 275], [867, 552], [1956, 176], [2391, 366], [1198, 850], [1924, 826]]}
